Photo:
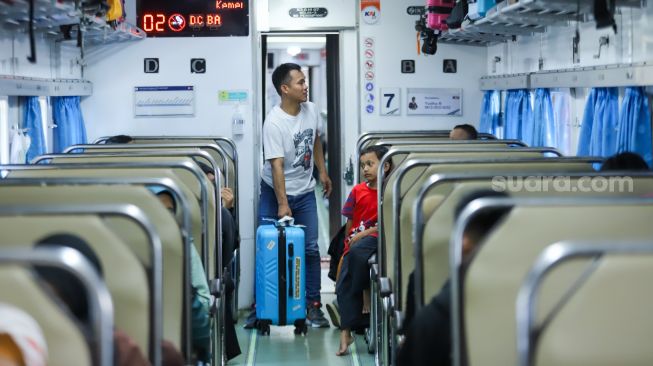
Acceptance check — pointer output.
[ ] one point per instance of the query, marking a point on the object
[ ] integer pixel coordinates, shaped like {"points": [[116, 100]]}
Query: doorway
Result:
{"points": [[318, 55]]}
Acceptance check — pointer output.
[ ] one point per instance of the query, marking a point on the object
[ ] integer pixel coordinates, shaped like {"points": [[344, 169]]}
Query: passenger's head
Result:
{"points": [[207, 170], [120, 139], [369, 162], [21, 339], [624, 161], [167, 200], [481, 223], [64, 284], [290, 82], [463, 132]]}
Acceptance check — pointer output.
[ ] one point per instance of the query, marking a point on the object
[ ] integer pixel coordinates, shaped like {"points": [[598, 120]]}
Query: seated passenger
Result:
{"points": [[428, 335], [72, 293], [21, 340], [353, 281], [230, 241], [624, 161], [119, 139], [463, 132], [230, 236], [201, 296]]}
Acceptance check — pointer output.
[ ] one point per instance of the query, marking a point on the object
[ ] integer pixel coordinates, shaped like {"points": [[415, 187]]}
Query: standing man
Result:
{"points": [[292, 145]]}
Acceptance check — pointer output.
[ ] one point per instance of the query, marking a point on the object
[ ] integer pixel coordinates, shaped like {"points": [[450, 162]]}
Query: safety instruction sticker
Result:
{"points": [[369, 73]]}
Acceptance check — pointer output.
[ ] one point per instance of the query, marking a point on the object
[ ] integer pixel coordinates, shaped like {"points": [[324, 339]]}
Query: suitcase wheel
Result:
{"points": [[263, 327], [301, 327]]}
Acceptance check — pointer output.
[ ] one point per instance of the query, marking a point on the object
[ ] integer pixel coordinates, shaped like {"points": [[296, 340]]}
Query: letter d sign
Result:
{"points": [[151, 65]]}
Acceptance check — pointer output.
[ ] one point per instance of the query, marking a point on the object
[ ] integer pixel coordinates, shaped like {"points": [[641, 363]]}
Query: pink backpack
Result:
{"points": [[438, 11]]}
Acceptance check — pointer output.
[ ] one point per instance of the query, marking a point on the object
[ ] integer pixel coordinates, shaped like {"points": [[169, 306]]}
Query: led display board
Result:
{"points": [[194, 18]]}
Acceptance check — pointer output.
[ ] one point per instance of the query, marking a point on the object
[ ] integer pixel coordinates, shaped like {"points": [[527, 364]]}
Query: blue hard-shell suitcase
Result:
{"points": [[280, 277]]}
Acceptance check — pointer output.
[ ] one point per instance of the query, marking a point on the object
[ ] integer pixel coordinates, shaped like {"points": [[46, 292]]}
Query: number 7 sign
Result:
{"points": [[390, 102]]}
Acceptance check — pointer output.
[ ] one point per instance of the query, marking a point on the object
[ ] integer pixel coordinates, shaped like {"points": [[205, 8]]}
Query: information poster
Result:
{"points": [[157, 101], [440, 102]]}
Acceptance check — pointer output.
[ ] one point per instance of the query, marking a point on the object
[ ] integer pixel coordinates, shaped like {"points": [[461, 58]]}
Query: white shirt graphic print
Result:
{"points": [[291, 138]]}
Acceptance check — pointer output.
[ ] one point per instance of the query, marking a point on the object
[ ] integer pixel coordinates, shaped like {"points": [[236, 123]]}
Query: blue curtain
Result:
{"points": [[491, 113], [635, 125], [519, 116], [34, 124], [70, 130], [598, 135], [543, 121]]}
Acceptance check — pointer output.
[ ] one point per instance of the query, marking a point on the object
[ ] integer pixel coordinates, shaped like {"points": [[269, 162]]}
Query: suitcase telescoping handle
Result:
{"points": [[283, 222]]}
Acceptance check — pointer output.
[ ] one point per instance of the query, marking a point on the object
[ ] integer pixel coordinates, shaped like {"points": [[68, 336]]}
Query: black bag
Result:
{"points": [[458, 14], [336, 247], [604, 14]]}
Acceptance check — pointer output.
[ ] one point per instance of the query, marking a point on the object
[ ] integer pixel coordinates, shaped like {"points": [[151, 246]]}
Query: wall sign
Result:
{"points": [[450, 66], [308, 12], [442, 102], [368, 67], [157, 101], [390, 102], [371, 11], [197, 66], [416, 10], [200, 18], [232, 96], [151, 65], [407, 66]]}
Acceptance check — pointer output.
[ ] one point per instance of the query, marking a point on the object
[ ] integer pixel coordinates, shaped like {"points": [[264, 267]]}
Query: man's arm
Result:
{"points": [[279, 183], [321, 166]]}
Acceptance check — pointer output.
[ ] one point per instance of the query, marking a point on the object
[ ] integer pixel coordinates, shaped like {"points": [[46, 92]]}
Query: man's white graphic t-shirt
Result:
{"points": [[291, 138]]}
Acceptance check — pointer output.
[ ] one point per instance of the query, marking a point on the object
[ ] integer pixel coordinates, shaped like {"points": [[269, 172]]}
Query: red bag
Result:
{"points": [[438, 12]]}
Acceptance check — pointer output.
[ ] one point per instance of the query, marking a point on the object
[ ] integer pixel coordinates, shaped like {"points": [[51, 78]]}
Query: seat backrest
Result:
{"points": [[614, 300], [127, 176], [451, 162], [508, 252], [130, 233], [404, 151], [64, 338], [224, 161], [187, 177], [123, 273], [371, 139]]}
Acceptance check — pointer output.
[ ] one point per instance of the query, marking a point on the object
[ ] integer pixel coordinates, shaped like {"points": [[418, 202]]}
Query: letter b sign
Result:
{"points": [[407, 66]]}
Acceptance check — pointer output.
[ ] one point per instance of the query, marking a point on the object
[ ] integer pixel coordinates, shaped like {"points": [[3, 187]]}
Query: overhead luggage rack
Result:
{"points": [[524, 18], [50, 15]]}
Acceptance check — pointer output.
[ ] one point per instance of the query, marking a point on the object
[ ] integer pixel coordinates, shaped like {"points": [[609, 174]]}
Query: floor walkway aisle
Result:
{"points": [[284, 348]]}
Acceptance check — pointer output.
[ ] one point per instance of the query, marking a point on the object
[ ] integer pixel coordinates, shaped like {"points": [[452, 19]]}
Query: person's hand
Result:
{"points": [[284, 210], [326, 184], [356, 238], [227, 198]]}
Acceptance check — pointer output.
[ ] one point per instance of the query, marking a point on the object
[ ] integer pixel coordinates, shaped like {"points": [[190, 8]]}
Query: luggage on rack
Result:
{"points": [[438, 11], [478, 8], [280, 276]]}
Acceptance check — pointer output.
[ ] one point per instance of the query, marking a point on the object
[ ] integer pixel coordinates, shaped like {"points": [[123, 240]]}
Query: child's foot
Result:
{"points": [[366, 301], [345, 341]]}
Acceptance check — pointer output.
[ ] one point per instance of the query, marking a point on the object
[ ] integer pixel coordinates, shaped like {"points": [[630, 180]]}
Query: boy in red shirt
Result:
{"points": [[361, 210]]}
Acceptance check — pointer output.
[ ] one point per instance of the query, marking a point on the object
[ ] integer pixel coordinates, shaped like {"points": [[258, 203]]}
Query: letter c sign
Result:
{"points": [[197, 66]]}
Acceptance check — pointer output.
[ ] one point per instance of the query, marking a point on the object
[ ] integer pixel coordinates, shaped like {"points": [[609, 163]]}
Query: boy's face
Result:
{"points": [[370, 166], [297, 89]]}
